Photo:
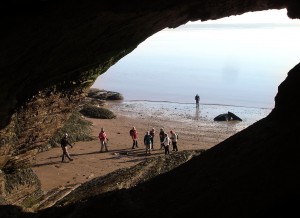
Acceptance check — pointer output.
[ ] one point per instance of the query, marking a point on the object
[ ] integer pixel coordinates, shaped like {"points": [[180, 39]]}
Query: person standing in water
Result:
{"points": [[197, 98]]}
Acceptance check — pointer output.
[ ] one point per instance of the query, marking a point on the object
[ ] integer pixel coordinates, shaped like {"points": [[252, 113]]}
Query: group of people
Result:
{"points": [[64, 142], [165, 140]]}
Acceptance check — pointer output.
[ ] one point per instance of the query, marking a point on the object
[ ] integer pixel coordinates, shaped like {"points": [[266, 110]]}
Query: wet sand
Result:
{"points": [[196, 130]]}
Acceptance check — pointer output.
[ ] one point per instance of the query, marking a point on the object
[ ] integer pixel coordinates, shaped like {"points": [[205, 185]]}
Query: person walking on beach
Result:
{"points": [[64, 143], [174, 138], [152, 133], [197, 98], [147, 142], [161, 137], [134, 136], [166, 143], [103, 140]]}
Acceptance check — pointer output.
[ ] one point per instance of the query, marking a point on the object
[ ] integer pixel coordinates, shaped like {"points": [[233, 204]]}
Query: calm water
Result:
{"points": [[230, 64]]}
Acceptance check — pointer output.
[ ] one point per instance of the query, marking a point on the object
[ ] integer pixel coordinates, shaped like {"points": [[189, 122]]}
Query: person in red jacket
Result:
{"points": [[134, 136], [103, 140]]}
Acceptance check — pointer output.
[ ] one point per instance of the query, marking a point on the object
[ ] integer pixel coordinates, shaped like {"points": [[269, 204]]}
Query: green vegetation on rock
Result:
{"points": [[78, 129], [97, 112]]}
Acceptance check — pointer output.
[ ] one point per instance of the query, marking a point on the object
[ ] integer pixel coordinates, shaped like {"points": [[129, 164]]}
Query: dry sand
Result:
{"points": [[89, 162]]}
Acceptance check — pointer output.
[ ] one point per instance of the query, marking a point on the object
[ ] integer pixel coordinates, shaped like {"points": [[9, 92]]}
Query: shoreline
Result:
{"points": [[194, 134], [193, 103], [187, 114]]}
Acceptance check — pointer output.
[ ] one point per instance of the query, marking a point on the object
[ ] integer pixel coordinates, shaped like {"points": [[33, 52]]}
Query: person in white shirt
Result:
{"points": [[166, 143], [174, 138]]}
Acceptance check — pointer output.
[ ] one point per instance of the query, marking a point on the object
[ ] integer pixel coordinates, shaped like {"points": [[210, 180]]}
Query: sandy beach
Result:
{"points": [[196, 130]]}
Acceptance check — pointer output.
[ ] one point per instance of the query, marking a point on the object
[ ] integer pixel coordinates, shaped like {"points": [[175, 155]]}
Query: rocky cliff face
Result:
{"points": [[52, 51]]}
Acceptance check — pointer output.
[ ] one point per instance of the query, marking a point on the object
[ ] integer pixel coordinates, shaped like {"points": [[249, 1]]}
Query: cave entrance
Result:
{"points": [[239, 60], [216, 60], [235, 64]]}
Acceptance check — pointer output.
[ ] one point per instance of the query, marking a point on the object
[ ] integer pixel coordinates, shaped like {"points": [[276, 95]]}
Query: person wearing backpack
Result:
{"points": [[162, 137], [147, 142], [134, 135], [174, 138]]}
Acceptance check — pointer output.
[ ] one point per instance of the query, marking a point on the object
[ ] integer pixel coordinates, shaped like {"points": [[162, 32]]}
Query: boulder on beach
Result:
{"points": [[101, 94], [227, 117]]}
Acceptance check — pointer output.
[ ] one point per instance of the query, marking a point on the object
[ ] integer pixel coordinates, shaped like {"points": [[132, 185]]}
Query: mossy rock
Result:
{"points": [[78, 129], [114, 96], [97, 112], [104, 95], [93, 101]]}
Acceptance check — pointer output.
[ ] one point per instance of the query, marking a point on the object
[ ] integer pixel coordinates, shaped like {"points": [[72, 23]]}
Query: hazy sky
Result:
{"points": [[270, 16]]}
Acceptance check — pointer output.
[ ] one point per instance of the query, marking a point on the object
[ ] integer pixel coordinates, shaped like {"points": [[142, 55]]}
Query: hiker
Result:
{"points": [[103, 140], [152, 133], [64, 143], [161, 137], [147, 142], [174, 138], [134, 136], [197, 98], [166, 143]]}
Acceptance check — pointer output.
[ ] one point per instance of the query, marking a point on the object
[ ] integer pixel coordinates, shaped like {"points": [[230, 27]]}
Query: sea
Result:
{"points": [[233, 65]]}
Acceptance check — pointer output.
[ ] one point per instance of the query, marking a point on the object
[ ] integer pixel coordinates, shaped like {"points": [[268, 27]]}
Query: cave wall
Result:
{"points": [[52, 52], [286, 103]]}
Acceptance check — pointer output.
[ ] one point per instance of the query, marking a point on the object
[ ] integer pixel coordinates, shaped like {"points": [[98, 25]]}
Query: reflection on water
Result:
{"points": [[197, 114], [188, 115]]}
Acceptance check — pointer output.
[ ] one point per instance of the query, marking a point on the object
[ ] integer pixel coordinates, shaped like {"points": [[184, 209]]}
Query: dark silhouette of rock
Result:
{"points": [[227, 117]]}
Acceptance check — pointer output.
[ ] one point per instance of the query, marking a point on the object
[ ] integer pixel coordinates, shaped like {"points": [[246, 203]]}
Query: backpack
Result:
{"points": [[147, 139], [131, 132]]}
